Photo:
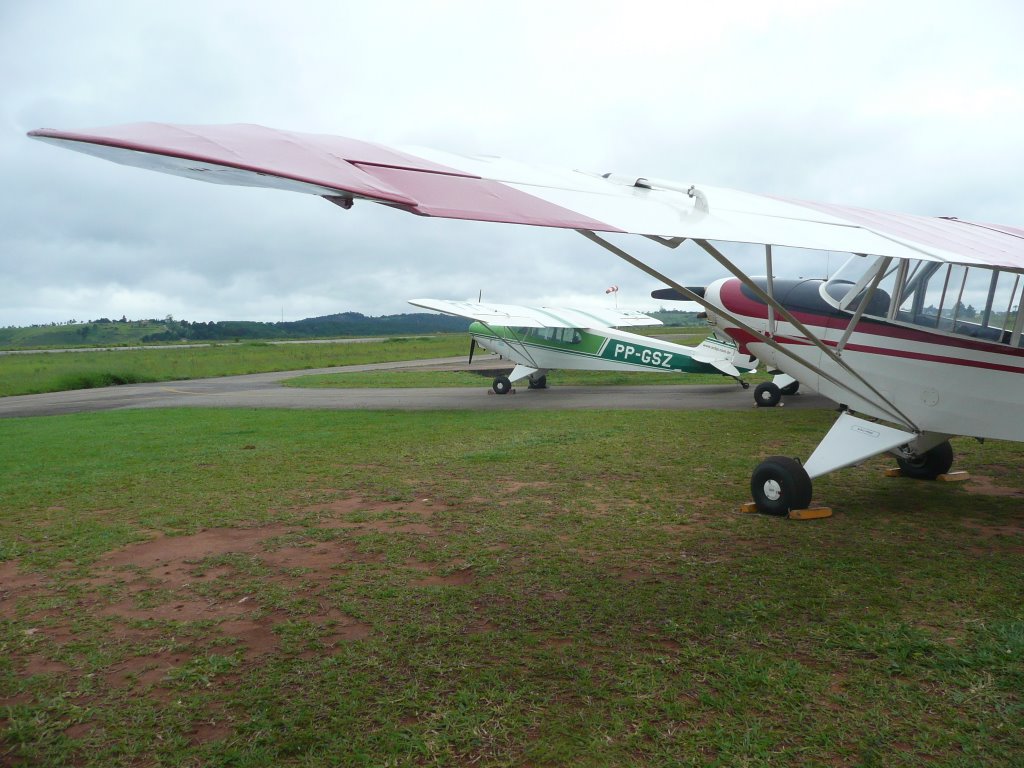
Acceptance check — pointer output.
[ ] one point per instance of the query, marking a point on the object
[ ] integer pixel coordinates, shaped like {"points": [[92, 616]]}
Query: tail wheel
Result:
{"points": [[780, 484], [930, 464], [767, 395], [501, 385]]}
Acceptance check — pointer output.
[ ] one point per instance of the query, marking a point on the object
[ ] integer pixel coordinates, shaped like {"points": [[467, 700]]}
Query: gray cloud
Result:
{"points": [[853, 102]]}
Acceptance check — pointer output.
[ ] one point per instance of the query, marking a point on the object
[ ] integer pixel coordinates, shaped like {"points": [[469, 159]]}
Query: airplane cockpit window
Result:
{"points": [[569, 335], [547, 334], [851, 284], [978, 302], [563, 335]]}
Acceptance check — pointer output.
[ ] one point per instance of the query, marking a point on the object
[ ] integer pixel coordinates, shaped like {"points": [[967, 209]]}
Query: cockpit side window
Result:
{"points": [[851, 285], [978, 302], [563, 335], [569, 335]]}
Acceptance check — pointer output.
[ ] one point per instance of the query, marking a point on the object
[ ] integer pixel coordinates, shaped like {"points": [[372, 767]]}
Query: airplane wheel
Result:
{"points": [[501, 385], [930, 464], [541, 382], [790, 389], [767, 395], [780, 484]]}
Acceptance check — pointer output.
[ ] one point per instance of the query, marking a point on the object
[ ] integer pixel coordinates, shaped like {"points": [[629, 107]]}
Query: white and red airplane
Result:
{"points": [[918, 337]]}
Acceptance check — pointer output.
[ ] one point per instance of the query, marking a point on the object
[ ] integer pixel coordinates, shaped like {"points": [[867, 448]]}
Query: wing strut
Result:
{"points": [[879, 274], [894, 413], [520, 344], [883, 402]]}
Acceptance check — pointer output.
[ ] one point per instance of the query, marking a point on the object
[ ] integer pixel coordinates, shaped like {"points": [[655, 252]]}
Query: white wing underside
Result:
{"points": [[433, 183], [518, 316]]}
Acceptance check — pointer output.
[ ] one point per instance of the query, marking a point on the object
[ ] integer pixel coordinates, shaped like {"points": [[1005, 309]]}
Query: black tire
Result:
{"points": [[541, 382], [780, 484], [767, 395], [501, 385], [930, 464], [791, 389]]}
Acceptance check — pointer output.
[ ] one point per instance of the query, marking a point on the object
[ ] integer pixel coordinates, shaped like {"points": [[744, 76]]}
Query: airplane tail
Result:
{"points": [[723, 356]]}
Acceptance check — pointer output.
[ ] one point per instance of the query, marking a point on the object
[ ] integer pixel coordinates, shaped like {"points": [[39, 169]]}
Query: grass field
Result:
{"points": [[24, 374], [256, 588]]}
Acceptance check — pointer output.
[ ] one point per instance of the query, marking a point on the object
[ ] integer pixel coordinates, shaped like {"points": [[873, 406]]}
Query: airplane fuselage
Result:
{"points": [[964, 380], [588, 349]]}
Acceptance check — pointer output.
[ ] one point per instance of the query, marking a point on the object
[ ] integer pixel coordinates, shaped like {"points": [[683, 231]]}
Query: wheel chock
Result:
{"points": [[811, 513], [949, 477]]}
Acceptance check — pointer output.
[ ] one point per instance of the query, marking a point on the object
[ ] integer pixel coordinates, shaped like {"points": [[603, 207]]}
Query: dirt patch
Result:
{"points": [[986, 486], [1010, 528], [514, 486], [172, 551], [557, 642], [335, 513], [145, 671], [454, 579], [480, 626], [38, 665], [241, 592]]}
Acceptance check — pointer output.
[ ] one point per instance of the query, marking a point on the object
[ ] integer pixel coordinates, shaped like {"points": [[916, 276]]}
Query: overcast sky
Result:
{"points": [[907, 106]]}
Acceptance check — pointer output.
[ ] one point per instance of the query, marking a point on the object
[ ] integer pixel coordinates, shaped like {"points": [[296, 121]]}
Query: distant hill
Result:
{"points": [[105, 332]]}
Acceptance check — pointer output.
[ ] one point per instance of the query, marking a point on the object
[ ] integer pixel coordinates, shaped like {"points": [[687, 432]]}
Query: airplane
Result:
{"points": [[889, 337], [538, 339]]}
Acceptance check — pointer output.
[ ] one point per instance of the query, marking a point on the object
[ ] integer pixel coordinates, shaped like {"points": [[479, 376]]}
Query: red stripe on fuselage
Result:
{"points": [[743, 338], [734, 300]]}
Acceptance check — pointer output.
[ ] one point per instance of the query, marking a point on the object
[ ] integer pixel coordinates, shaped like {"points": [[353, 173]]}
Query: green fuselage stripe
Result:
{"points": [[589, 346]]}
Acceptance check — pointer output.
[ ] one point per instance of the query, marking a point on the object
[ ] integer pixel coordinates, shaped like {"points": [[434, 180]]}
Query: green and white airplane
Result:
{"points": [[540, 339]]}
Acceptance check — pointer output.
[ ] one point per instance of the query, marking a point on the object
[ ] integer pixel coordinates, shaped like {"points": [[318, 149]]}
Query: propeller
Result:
{"points": [[472, 348], [671, 294]]}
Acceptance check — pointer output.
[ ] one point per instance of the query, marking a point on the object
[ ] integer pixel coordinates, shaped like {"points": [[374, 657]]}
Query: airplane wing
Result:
{"points": [[432, 183], [517, 316]]}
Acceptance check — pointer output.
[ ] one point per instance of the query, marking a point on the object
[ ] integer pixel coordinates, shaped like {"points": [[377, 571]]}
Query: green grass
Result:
{"points": [[80, 334], [556, 588], [22, 374]]}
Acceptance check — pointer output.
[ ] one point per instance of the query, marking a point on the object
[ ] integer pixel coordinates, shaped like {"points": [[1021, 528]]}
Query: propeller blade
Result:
{"points": [[671, 294], [472, 347]]}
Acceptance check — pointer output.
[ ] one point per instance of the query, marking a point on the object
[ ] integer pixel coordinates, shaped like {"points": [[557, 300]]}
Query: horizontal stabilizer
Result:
{"points": [[722, 355], [725, 367]]}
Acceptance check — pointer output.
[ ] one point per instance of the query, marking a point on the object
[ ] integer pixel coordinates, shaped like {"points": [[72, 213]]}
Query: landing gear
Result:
{"points": [[541, 382], [780, 484], [767, 395], [501, 385], [928, 465], [790, 389]]}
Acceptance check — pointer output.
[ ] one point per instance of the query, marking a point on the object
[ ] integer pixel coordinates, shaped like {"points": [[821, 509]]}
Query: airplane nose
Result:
{"points": [[713, 293]]}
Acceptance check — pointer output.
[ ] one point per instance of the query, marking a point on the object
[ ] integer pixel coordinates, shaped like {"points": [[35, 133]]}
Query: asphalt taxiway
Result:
{"points": [[264, 390]]}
